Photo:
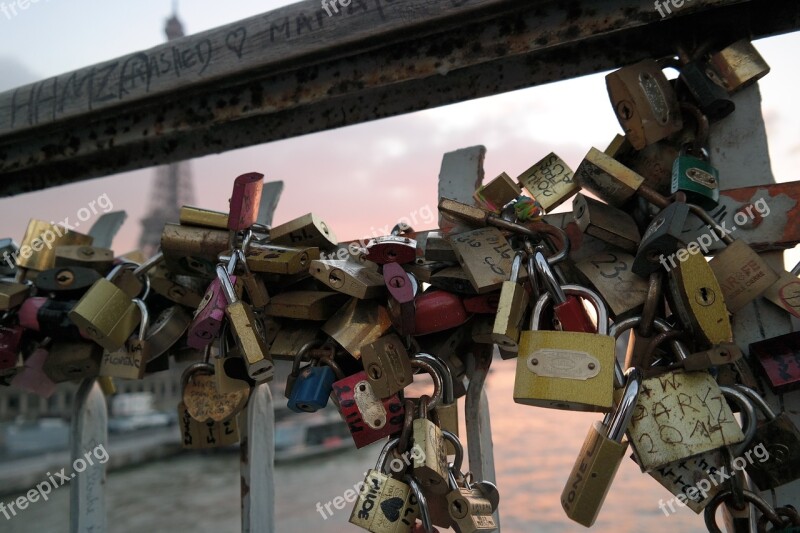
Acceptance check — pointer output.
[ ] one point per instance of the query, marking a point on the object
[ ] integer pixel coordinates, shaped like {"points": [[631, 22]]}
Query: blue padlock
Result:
{"points": [[311, 389]]}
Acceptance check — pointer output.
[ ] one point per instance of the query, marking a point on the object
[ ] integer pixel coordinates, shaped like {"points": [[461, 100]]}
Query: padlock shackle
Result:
{"points": [[195, 368], [551, 284], [144, 325], [458, 460], [751, 423], [619, 327], [380, 464], [448, 393], [516, 265], [424, 511], [573, 290], [710, 512], [758, 401], [436, 397], [227, 286], [621, 419]]}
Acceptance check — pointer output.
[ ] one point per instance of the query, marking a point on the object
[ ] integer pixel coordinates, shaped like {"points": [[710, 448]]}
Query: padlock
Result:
{"points": [[205, 435], [169, 327], [497, 193], [566, 369], [98, 259], [312, 385], [785, 293], [684, 476], [394, 248], [605, 222], [737, 66], [358, 323], [402, 288], [485, 256], [368, 418], [253, 285], [244, 327], [203, 400], [511, 309], [485, 304], [289, 337], [51, 317], [10, 346], [32, 378], [350, 278], [645, 103], [132, 279], [183, 290], [66, 283], [385, 504], [569, 311], [662, 239], [742, 274], [696, 298], [208, 317], [680, 414], [609, 273], [607, 178], [453, 279], [272, 259], [245, 201], [193, 251], [469, 506], [550, 181], [12, 294], [106, 313], [305, 305], [387, 365], [130, 362], [438, 248], [37, 249], [68, 361], [204, 218], [447, 409], [8, 252], [778, 360], [438, 311], [781, 438], [430, 466], [308, 230], [711, 99], [692, 172], [600, 457]]}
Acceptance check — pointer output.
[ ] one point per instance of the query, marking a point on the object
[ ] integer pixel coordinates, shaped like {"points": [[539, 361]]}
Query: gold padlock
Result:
{"points": [[485, 256], [37, 250], [358, 323], [550, 181], [497, 193], [99, 259], [510, 309], [308, 230], [743, 276], [305, 305]]}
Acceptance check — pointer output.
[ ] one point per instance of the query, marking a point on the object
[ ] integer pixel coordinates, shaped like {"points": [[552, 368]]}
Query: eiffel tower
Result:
{"points": [[173, 185]]}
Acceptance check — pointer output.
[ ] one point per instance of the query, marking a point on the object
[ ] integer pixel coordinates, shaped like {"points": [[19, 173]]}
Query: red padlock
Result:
{"points": [[367, 416], [483, 304], [10, 341], [245, 201], [392, 249], [779, 361], [50, 317], [438, 311]]}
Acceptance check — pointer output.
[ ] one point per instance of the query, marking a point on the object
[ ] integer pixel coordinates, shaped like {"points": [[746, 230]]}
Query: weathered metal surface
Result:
{"points": [[88, 431], [257, 449], [294, 71]]}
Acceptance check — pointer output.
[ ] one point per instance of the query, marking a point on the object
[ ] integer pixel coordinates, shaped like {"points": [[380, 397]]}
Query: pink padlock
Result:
{"points": [[10, 341], [368, 417], [208, 318], [245, 201], [50, 317], [32, 378]]}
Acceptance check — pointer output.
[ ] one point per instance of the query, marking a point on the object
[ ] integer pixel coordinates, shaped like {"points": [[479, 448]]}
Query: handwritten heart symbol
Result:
{"points": [[235, 41], [391, 509]]}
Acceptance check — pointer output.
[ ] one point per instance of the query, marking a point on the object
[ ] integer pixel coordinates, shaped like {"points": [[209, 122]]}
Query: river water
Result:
{"points": [[534, 451]]}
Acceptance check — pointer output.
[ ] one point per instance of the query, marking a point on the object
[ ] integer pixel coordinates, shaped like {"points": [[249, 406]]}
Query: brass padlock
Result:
{"points": [[349, 278], [13, 294], [106, 314], [497, 193], [37, 249], [193, 251], [438, 248], [205, 218], [99, 259], [606, 222], [203, 400], [358, 323], [469, 506], [611, 276], [387, 365], [244, 326], [550, 181], [510, 309], [305, 305], [308, 230], [130, 362], [68, 361], [485, 256], [742, 274], [385, 504], [737, 66], [645, 102], [272, 259], [183, 290], [447, 409], [453, 279], [566, 369], [430, 467], [608, 178], [601, 454]]}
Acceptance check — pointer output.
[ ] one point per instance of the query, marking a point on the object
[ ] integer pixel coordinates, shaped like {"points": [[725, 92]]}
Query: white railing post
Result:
{"points": [[88, 430], [258, 462]]}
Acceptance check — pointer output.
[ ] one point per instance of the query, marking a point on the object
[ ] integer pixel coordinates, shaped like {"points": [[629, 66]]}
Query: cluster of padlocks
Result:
{"points": [[358, 320]]}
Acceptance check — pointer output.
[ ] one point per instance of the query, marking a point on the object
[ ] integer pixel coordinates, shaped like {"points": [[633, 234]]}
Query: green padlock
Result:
{"points": [[693, 174]]}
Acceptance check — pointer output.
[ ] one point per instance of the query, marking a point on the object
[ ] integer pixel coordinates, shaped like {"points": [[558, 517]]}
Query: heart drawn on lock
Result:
{"points": [[204, 402], [391, 508]]}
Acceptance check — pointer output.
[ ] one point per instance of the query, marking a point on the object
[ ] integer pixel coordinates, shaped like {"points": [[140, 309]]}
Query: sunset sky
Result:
{"points": [[356, 178]]}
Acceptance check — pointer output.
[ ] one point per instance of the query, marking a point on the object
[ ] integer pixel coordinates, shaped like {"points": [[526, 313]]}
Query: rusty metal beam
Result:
{"points": [[295, 71]]}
